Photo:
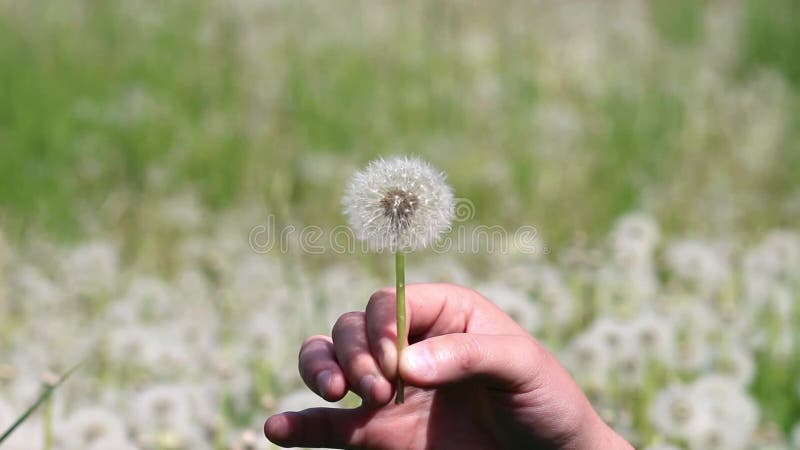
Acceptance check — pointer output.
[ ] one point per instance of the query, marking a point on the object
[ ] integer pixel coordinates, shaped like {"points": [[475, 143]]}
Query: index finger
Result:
{"points": [[432, 309]]}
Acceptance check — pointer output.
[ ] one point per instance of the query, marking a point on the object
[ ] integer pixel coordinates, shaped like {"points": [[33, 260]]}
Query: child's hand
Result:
{"points": [[475, 380]]}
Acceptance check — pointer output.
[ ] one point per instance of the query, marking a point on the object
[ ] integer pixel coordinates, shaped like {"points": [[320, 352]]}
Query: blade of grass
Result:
{"points": [[46, 393]]}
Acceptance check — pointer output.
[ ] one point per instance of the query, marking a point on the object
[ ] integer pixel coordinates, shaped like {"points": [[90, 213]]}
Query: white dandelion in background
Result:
{"points": [[699, 262], [88, 426], [676, 411], [515, 303], [401, 204], [633, 241], [586, 357], [90, 269]]}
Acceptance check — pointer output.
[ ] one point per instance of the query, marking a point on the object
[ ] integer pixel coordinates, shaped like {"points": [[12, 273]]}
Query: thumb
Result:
{"points": [[504, 361], [315, 427]]}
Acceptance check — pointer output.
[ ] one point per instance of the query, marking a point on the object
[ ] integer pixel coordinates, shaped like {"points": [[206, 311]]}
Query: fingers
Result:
{"points": [[362, 355], [432, 310], [319, 369], [456, 357], [382, 331], [359, 366], [315, 427]]}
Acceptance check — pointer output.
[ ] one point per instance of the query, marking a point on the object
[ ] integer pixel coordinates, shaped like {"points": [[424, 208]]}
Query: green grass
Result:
{"points": [[679, 21], [771, 37], [409, 89]]}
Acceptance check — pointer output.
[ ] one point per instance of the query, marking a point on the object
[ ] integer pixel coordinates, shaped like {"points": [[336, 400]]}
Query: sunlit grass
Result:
{"points": [[410, 88]]}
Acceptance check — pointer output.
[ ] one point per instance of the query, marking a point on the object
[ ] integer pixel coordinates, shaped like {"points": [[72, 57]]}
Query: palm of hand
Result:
{"points": [[462, 416]]}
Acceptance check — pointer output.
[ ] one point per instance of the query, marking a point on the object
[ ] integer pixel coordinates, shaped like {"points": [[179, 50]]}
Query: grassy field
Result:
{"points": [[539, 114], [140, 141]]}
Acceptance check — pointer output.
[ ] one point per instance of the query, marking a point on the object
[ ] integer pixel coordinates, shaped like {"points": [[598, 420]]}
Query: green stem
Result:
{"points": [[43, 396], [48, 423], [400, 276]]}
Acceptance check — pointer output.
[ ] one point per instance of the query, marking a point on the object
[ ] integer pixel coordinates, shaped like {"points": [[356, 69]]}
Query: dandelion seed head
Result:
{"points": [[655, 337], [399, 206], [635, 232], [729, 403], [709, 435], [515, 303], [698, 261], [399, 203], [89, 425], [162, 406], [738, 364], [588, 360], [676, 412]]}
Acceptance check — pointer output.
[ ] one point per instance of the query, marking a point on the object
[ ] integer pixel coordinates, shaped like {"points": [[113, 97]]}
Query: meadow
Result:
{"points": [[654, 146]]}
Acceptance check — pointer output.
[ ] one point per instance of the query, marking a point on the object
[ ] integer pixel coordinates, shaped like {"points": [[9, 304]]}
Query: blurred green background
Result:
{"points": [[126, 126], [560, 115]]}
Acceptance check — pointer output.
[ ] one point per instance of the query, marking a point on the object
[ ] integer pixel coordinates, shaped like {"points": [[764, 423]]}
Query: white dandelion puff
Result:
{"points": [[633, 241], [676, 411], [515, 303], [709, 434], [162, 406], [655, 337], [698, 261], [738, 364], [587, 359], [87, 426], [728, 403], [399, 203], [612, 333], [90, 269]]}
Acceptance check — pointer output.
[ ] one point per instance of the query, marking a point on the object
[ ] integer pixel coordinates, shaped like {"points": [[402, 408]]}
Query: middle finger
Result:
{"points": [[359, 365]]}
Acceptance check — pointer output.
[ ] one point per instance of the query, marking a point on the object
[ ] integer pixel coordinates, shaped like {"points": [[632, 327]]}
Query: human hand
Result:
{"points": [[475, 380]]}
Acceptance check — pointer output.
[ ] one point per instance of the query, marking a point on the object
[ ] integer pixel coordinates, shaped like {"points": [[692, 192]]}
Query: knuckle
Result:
{"points": [[347, 320], [312, 340], [380, 316], [379, 296], [311, 343], [469, 353], [537, 355], [357, 362], [474, 295]]}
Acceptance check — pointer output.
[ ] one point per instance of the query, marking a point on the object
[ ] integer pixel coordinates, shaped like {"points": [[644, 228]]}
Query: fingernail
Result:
{"points": [[324, 380], [419, 361], [366, 386]]}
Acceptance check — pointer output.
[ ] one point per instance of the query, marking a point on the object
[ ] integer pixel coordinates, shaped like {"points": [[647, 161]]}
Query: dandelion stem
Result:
{"points": [[46, 392], [48, 423], [400, 292]]}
